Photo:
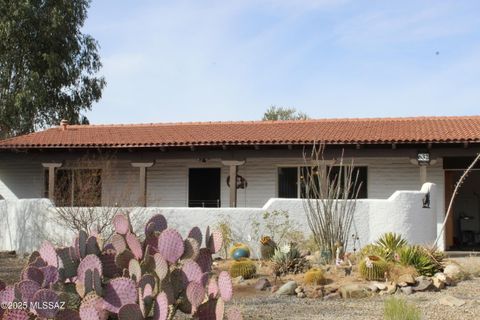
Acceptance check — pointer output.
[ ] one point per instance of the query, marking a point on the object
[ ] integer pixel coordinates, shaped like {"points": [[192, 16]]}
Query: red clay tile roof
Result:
{"points": [[331, 131]]}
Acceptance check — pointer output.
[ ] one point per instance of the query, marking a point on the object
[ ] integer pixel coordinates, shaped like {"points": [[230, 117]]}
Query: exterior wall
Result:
{"points": [[402, 212]]}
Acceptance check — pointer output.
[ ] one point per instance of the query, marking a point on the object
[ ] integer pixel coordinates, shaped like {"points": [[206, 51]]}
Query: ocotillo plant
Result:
{"points": [[123, 279]]}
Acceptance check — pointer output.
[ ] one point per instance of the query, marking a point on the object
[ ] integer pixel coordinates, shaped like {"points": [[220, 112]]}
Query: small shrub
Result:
{"points": [[314, 276], [373, 268], [243, 267], [224, 227], [399, 309]]}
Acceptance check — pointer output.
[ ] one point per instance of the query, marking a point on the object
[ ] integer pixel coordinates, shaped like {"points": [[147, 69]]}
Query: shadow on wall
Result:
{"points": [[26, 223]]}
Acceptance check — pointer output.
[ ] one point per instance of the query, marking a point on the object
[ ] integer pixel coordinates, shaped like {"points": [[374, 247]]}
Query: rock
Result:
{"points": [[438, 284], [454, 272], [372, 287], [274, 289], [406, 280], [444, 278], [391, 288], [380, 286], [298, 289], [301, 295], [423, 283], [238, 280], [287, 289], [332, 296], [354, 291], [262, 284], [407, 290], [451, 301]]}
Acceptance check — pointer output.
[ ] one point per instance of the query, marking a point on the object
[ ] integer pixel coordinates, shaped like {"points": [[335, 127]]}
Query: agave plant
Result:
{"points": [[421, 259], [390, 243], [287, 259], [125, 278]]}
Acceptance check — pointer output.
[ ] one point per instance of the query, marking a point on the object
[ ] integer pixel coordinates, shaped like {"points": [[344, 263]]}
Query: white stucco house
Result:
{"points": [[184, 169]]}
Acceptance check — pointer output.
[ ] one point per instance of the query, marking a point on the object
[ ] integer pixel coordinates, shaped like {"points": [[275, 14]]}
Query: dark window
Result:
{"points": [[287, 182], [76, 187], [288, 179], [359, 174], [204, 187]]}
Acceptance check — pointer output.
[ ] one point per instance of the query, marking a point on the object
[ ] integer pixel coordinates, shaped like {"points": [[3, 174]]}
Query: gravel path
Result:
{"points": [[272, 307]]}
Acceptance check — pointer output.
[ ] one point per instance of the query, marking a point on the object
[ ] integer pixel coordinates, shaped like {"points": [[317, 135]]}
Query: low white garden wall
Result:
{"points": [[24, 224]]}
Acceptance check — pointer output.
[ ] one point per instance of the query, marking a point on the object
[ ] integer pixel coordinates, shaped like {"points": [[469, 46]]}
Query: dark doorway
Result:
{"points": [[463, 228], [204, 187]]}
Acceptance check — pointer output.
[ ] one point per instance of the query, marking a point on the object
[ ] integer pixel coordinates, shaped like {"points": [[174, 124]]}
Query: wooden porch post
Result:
{"points": [[51, 178], [233, 164], [142, 166]]}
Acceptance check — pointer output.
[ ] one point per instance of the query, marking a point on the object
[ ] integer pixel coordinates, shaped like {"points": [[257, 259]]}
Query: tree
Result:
{"points": [[48, 66], [280, 113]]}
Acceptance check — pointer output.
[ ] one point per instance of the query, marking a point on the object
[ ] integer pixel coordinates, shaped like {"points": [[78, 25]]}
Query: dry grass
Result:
{"points": [[469, 265], [395, 271]]}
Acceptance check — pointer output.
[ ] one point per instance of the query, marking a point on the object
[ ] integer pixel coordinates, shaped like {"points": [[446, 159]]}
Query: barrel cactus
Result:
{"points": [[267, 247], [314, 276], [126, 278], [239, 251], [373, 268], [243, 267]]}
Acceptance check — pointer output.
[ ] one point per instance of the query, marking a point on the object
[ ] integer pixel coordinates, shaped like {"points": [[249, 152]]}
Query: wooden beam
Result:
{"points": [[142, 166], [465, 145], [51, 178], [394, 146], [290, 147], [233, 186], [429, 146]]}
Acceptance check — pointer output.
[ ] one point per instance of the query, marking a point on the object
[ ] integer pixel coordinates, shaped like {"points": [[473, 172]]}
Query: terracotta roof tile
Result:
{"points": [[331, 131]]}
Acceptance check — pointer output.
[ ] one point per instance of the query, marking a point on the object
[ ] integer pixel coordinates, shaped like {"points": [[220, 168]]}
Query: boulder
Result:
{"points": [[423, 283], [454, 272], [407, 290], [287, 289], [451, 301], [391, 288], [406, 280], [438, 284], [444, 278], [332, 296], [301, 294], [380, 286], [354, 291], [262, 284]]}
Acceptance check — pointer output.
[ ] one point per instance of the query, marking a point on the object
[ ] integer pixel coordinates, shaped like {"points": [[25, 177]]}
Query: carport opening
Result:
{"points": [[463, 229]]}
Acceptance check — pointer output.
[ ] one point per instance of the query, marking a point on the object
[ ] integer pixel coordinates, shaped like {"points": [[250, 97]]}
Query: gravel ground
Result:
{"points": [[272, 307]]}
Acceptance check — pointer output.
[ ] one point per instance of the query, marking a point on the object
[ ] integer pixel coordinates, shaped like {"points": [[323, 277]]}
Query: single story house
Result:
{"points": [[191, 164]]}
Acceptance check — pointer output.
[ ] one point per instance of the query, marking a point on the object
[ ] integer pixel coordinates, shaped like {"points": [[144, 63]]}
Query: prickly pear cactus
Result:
{"points": [[125, 278]]}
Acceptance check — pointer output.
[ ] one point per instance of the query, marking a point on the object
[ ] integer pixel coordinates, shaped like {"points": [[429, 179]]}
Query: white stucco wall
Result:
{"points": [[25, 223]]}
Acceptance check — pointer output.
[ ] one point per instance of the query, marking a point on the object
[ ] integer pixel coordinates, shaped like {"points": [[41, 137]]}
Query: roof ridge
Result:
{"points": [[358, 119]]}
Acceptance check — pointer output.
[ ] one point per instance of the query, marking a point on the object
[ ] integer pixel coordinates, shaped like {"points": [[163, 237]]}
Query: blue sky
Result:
{"points": [[230, 60]]}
